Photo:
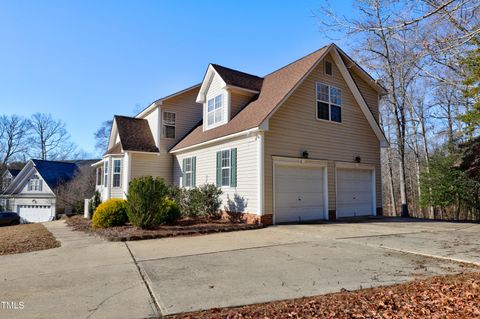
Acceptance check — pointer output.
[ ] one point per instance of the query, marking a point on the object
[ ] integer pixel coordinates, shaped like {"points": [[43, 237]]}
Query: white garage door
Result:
{"points": [[299, 193], [35, 213], [354, 192]]}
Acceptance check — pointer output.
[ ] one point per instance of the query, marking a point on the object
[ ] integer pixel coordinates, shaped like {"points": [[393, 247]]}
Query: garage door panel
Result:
{"points": [[35, 213], [299, 193], [354, 192]]}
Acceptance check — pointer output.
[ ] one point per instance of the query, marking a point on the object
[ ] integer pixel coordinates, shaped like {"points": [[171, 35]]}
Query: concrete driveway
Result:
{"points": [[91, 278], [291, 261]]}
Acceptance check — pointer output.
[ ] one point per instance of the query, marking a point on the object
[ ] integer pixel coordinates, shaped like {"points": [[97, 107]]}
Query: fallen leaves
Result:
{"points": [[454, 296], [25, 238]]}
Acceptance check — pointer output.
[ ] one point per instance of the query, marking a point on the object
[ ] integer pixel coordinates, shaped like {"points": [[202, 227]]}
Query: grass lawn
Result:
{"points": [[454, 296], [25, 238]]}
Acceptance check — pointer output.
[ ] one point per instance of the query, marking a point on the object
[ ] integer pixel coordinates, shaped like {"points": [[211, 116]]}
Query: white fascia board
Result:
{"points": [[207, 80], [359, 98], [216, 140]]}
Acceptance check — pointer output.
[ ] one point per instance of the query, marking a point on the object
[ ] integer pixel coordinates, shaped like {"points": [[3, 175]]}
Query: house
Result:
{"points": [[301, 143], [32, 192], [7, 178]]}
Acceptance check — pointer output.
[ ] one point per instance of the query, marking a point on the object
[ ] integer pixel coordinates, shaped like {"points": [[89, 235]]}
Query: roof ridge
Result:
{"points": [[60, 162], [299, 59], [128, 117], [235, 70]]}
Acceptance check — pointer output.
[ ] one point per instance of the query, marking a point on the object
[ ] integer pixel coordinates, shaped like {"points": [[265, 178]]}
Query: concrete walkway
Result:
{"points": [[84, 278]]}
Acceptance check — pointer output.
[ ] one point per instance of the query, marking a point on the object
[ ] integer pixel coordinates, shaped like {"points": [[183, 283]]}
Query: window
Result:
{"points": [[328, 67], [215, 110], [117, 170], [35, 184], [227, 168], [105, 173], [168, 124], [189, 171], [99, 176], [329, 103]]}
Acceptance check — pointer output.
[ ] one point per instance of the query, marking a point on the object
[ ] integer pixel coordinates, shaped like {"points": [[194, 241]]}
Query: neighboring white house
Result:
{"points": [[31, 193], [300, 143]]}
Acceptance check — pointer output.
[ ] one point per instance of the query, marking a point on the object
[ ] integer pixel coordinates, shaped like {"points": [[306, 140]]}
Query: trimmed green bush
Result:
{"points": [[169, 211], [110, 213], [202, 201], [93, 203], [147, 204]]}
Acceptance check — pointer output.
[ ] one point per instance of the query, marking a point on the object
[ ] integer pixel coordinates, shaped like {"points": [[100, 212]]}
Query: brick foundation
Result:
{"points": [[249, 218], [379, 211], [332, 214]]}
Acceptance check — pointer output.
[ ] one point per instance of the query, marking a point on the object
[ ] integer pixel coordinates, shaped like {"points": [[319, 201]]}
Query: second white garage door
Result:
{"points": [[299, 193], [354, 192]]}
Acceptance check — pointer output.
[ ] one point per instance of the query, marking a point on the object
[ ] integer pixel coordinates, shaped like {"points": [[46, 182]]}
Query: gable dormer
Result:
{"points": [[224, 92]]}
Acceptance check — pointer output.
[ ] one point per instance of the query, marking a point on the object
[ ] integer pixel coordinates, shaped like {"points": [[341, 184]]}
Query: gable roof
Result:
{"points": [[276, 86], [238, 78], [135, 135], [13, 172], [54, 173], [275, 89]]}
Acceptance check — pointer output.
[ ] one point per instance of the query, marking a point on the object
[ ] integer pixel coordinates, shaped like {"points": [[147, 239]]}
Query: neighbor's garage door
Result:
{"points": [[354, 192], [35, 213], [299, 193]]}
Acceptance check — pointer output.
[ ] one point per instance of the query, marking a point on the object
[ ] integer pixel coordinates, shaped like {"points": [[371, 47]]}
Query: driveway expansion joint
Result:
{"points": [[149, 289]]}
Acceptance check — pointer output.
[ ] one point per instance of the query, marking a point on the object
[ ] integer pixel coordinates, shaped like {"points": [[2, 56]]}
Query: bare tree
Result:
{"points": [[102, 135], [49, 138], [73, 193], [13, 137]]}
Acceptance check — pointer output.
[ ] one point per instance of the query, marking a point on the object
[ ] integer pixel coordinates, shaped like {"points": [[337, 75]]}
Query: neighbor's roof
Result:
{"points": [[14, 172], [135, 135], [275, 88], [238, 78], [54, 173]]}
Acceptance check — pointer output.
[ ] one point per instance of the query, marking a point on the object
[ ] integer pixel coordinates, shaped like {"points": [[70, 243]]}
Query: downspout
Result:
{"points": [[260, 172]]}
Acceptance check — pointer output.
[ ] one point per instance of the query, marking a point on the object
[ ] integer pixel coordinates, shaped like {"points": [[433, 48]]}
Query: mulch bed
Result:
{"points": [[25, 238], [455, 296], [184, 227]]}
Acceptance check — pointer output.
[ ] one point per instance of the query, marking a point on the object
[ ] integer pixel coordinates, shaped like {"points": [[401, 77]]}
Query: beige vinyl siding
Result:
{"points": [[294, 129], [369, 94], [238, 101], [152, 164], [152, 119], [188, 114], [247, 175]]}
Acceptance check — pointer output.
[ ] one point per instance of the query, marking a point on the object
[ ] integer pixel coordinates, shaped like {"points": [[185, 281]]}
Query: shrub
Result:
{"points": [[203, 201], [169, 211], [93, 203], [110, 213], [146, 202]]}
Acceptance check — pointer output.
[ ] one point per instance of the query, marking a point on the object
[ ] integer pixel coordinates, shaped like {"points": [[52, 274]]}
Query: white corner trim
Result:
{"points": [[359, 98], [218, 139], [125, 179], [260, 173]]}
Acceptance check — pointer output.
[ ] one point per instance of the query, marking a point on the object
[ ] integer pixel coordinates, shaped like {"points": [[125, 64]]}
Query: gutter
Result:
{"points": [[218, 139]]}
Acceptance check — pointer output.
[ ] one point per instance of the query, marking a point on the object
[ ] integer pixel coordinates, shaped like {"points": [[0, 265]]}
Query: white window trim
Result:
{"points": [[229, 150], [225, 107], [329, 104], [105, 173], [117, 173], [164, 124], [188, 172], [35, 187]]}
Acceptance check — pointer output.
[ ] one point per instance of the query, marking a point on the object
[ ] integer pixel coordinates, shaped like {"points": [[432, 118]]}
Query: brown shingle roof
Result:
{"points": [[238, 78], [275, 88], [135, 134], [115, 149]]}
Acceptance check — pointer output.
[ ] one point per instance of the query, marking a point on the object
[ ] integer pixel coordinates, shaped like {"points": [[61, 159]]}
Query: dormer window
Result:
{"points": [[35, 184], [215, 111]]}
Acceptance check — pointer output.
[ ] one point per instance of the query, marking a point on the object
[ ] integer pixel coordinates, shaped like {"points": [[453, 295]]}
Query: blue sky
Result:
{"points": [[84, 61]]}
